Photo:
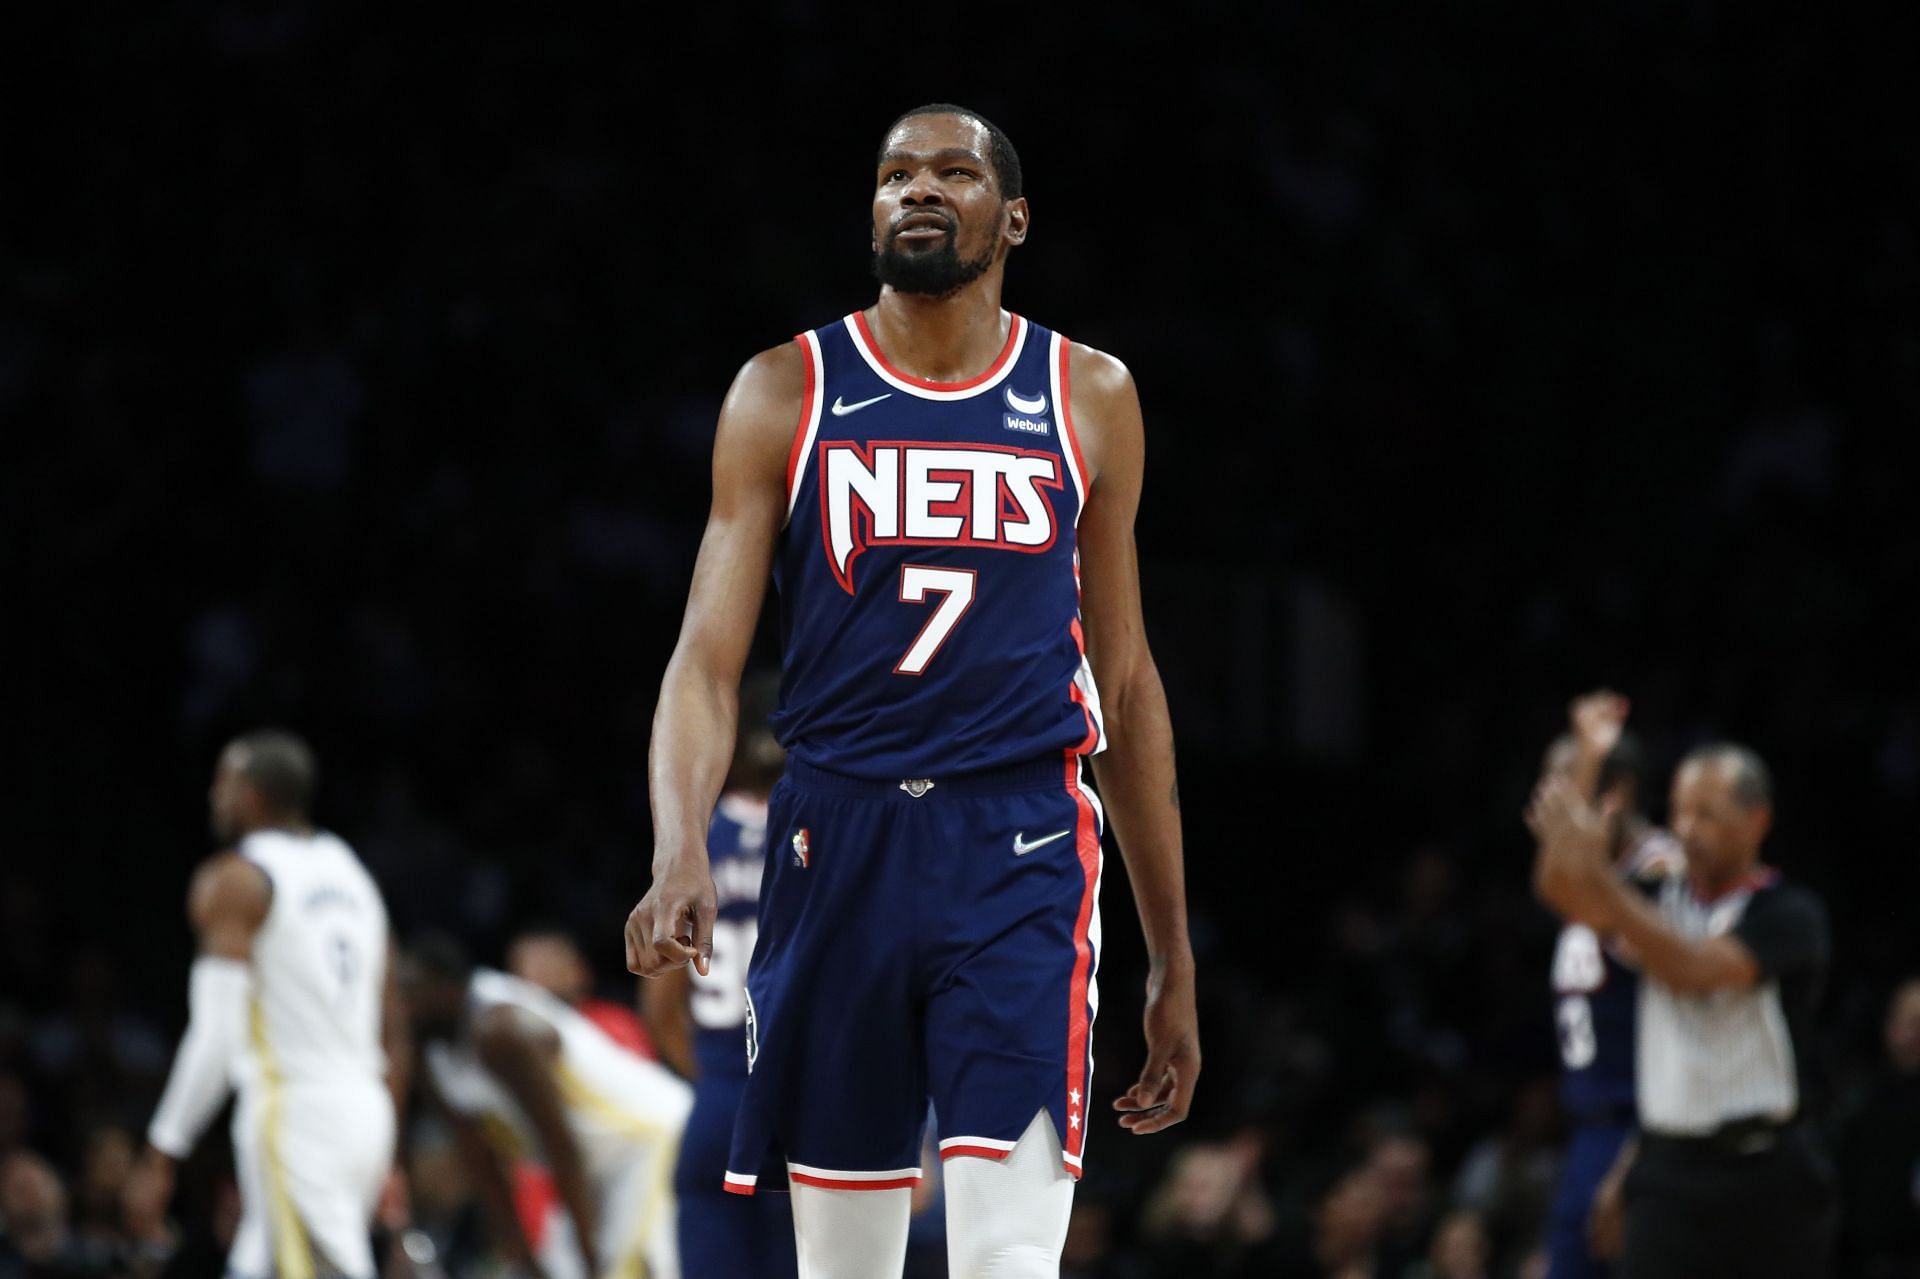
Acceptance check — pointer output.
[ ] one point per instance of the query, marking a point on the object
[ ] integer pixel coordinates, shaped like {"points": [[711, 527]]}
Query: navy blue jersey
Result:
{"points": [[1596, 996], [736, 849], [927, 576]]}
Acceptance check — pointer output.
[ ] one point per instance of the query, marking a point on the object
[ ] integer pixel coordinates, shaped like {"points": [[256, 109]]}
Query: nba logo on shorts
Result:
{"points": [[801, 849]]}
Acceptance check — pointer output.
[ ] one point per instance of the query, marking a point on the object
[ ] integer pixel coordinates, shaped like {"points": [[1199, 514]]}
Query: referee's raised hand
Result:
{"points": [[1571, 868]]}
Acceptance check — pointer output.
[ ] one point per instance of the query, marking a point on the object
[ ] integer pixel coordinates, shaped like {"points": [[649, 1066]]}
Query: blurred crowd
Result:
{"points": [[367, 373], [1362, 1144]]}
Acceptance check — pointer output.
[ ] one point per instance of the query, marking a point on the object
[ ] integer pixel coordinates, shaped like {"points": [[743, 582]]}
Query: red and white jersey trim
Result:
{"points": [[1057, 355], [984, 1147], [740, 1183], [842, 1179], [1083, 999], [809, 424], [901, 381]]}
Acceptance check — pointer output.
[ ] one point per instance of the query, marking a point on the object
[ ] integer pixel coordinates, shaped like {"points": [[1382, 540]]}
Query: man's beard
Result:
{"points": [[932, 272]]}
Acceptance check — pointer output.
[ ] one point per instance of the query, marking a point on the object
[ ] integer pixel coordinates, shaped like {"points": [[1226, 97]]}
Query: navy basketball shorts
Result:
{"points": [[722, 1236], [919, 941]]}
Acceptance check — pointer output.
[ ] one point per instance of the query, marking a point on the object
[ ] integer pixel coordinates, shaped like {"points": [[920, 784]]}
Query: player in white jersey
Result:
{"points": [[291, 1005], [521, 1072]]}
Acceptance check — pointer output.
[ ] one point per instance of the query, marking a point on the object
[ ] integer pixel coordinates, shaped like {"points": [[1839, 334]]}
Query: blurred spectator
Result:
{"points": [[1460, 1249], [1399, 1166], [1092, 1250], [1510, 1176], [1344, 1239], [35, 1238], [1210, 1214], [1878, 1154], [549, 957], [107, 1058], [106, 1161]]}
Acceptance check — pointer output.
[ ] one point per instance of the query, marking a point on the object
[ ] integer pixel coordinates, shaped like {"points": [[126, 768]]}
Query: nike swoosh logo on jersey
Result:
{"points": [[1021, 847], [841, 410], [1021, 404]]}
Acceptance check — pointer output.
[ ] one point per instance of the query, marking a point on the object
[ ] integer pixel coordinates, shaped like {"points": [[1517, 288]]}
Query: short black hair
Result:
{"points": [[1626, 762], [280, 765], [1752, 780], [543, 929], [1000, 153], [439, 956]]}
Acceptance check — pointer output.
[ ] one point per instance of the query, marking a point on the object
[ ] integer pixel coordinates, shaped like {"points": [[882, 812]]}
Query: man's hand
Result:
{"points": [[673, 924], [1165, 1091], [1607, 1222], [1571, 829], [148, 1191], [1597, 720], [1574, 873]]}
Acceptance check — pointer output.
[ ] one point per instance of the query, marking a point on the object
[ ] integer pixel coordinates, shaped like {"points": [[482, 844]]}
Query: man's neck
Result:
{"points": [[1711, 887], [944, 339]]}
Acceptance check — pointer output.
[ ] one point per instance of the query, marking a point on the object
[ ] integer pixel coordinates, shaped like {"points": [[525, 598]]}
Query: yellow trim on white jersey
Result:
{"points": [[293, 1251], [582, 1096]]}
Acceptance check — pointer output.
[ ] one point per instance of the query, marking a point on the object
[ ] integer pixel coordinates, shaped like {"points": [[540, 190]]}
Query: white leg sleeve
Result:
{"points": [[851, 1234], [1007, 1218]]}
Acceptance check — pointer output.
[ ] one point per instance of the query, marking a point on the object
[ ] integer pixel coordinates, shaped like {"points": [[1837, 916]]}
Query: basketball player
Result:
{"points": [[945, 494], [290, 1001], [519, 1073], [1595, 992], [699, 1022]]}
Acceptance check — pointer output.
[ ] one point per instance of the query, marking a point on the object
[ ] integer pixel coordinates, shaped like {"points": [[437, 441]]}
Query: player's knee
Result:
{"points": [[985, 1258]]}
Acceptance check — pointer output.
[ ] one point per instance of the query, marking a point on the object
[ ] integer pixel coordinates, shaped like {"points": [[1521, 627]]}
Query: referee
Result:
{"points": [[1728, 1179]]}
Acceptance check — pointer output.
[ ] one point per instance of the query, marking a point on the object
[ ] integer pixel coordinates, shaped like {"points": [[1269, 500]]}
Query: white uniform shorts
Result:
{"points": [[311, 1161], [636, 1225]]}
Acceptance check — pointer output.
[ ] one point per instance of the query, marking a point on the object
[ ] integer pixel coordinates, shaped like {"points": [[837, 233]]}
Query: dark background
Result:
{"points": [[358, 371]]}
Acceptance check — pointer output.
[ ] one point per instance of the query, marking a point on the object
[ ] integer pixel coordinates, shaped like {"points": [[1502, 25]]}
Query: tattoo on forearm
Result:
{"points": [[1173, 796]]}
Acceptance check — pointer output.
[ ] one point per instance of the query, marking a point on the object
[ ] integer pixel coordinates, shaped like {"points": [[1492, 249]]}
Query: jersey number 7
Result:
{"points": [[956, 586]]}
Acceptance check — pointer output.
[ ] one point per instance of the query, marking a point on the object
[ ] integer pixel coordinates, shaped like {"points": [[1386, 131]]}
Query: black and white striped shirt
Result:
{"points": [[1704, 1060]]}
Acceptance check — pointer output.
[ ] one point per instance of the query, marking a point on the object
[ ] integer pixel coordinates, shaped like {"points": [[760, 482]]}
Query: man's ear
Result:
{"points": [[1019, 218]]}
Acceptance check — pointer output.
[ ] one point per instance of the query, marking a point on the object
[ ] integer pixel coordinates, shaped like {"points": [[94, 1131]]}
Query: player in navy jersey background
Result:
{"points": [[699, 1023], [1595, 994], [944, 495]]}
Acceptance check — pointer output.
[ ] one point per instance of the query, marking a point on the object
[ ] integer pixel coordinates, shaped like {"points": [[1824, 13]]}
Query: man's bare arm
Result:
{"points": [[693, 726], [520, 1053], [1694, 966], [226, 904], [1576, 879], [1136, 773], [396, 1037], [490, 1181]]}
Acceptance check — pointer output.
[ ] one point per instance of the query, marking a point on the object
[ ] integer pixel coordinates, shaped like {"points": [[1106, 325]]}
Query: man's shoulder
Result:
{"points": [[777, 368], [1781, 896], [1095, 373], [227, 885]]}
